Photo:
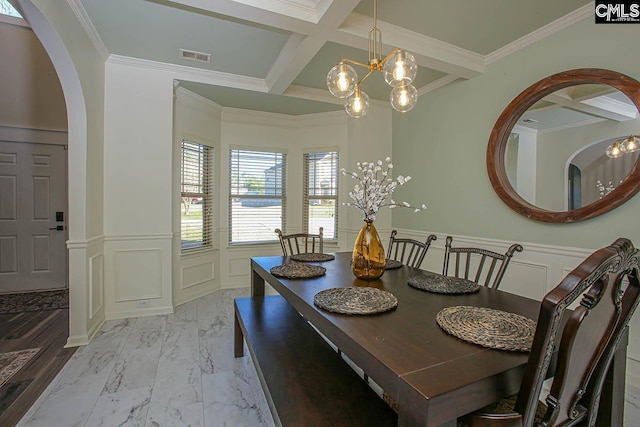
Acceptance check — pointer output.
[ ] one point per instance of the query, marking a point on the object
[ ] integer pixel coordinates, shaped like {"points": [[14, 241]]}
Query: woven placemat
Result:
{"points": [[390, 264], [488, 327], [297, 271], [312, 257], [360, 300], [440, 284]]}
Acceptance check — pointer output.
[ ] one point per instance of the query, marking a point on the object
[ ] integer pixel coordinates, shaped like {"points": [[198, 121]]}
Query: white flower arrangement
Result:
{"points": [[374, 187], [604, 190]]}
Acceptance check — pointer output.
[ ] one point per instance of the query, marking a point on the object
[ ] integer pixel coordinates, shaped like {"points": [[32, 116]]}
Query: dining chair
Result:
{"points": [[475, 261], [297, 243], [408, 251], [607, 283]]}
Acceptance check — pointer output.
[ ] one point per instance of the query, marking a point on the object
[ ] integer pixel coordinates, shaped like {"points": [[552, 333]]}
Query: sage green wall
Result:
{"points": [[442, 143]]}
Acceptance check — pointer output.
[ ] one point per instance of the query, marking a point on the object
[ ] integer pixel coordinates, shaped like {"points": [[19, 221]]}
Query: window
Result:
{"points": [[196, 198], [7, 9], [256, 195], [321, 193]]}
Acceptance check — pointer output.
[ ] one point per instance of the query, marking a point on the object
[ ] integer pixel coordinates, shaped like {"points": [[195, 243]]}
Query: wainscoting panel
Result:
{"points": [[239, 266], [526, 278], [96, 284], [138, 274], [196, 274], [86, 286]]}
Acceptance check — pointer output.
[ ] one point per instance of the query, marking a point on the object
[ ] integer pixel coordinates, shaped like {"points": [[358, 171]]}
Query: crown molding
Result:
{"points": [[83, 17], [305, 10], [551, 28], [442, 81], [197, 75], [193, 98], [237, 115]]}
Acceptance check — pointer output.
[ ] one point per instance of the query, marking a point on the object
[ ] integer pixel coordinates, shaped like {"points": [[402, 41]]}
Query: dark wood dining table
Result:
{"points": [[433, 376]]}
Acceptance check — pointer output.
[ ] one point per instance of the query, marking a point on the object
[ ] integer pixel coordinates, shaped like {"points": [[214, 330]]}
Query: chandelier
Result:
{"points": [[399, 69], [623, 146]]}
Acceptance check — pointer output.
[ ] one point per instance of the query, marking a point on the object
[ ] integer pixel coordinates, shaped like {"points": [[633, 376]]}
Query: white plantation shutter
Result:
{"points": [[320, 197], [196, 196], [257, 195]]}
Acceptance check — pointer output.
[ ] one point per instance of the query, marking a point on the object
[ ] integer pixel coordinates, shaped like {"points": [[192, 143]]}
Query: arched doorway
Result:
{"points": [[79, 315]]}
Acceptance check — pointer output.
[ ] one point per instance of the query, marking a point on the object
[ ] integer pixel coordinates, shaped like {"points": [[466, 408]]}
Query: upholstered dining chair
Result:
{"points": [[297, 243], [408, 251], [607, 284], [474, 263]]}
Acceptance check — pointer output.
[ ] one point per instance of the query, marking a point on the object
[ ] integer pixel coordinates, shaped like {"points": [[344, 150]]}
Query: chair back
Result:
{"points": [[298, 243], [479, 265], [607, 282], [408, 251]]}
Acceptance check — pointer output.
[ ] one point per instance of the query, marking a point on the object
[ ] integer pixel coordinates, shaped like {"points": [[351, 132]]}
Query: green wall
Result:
{"points": [[442, 143]]}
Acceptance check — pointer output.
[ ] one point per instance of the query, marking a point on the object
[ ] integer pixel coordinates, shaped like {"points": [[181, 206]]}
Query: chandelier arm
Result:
{"points": [[362, 64], [386, 58]]}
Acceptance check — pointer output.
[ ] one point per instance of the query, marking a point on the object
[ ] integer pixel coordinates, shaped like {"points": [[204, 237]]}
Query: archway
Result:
{"points": [[77, 168]]}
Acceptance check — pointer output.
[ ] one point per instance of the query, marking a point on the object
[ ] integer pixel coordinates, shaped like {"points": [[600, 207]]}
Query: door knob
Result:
{"points": [[58, 228]]}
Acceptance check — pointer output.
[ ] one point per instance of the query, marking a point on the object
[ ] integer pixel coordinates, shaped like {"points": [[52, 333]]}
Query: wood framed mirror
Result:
{"points": [[596, 98]]}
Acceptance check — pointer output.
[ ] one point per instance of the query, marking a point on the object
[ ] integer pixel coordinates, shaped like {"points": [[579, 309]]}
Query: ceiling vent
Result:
{"points": [[195, 56]]}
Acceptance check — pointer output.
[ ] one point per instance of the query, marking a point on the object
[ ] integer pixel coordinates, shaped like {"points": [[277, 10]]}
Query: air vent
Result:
{"points": [[529, 121], [195, 56]]}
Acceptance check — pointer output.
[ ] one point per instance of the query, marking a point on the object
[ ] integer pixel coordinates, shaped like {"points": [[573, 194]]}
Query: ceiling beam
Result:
{"points": [[299, 51], [429, 52]]}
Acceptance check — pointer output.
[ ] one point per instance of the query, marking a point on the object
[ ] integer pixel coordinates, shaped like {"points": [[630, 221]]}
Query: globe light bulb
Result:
{"points": [[400, 68], [357, 104], [614, 150], [631, 144], [403, 97], [399, 72], [341, 80]]}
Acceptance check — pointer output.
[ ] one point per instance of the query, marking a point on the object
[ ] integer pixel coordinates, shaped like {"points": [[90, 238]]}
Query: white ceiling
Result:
{"points": [[273, 55]]}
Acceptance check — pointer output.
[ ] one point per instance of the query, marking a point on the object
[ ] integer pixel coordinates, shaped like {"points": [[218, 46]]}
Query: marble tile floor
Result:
{"points": [[173, 370]]}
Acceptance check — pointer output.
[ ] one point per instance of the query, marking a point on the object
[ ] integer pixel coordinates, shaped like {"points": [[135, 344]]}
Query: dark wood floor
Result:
{"points": [[45, 329]]}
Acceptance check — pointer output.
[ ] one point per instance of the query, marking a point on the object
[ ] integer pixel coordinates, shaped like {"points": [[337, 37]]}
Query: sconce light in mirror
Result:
{"points": [[601, 99]]}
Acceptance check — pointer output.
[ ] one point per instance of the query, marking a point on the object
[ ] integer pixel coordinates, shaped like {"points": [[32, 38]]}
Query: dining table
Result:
{"points": [[432, 376]]}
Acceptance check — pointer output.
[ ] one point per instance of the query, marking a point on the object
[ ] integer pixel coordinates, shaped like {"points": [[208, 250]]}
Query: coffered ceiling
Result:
{"points": [[273, 55]]}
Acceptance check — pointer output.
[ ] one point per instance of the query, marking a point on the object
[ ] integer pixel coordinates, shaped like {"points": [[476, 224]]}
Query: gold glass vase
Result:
{"points": [[368, 260]]}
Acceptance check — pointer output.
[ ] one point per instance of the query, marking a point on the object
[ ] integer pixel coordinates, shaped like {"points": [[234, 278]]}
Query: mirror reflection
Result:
{"points": [[573, 147]]}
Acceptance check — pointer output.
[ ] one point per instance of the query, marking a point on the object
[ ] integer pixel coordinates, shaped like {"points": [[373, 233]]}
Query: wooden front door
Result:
{"points": [[33, 201]]}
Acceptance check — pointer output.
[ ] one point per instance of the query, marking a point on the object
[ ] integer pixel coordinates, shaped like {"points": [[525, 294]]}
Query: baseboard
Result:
{"points": [[77, 341], [152, 311]]}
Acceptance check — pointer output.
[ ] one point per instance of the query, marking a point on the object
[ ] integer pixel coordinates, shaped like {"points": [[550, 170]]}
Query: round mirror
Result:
{"points": [[566, 149]]}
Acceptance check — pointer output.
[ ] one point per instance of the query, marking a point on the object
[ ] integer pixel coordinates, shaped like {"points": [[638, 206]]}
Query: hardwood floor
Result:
{"points": [[48, 330]]}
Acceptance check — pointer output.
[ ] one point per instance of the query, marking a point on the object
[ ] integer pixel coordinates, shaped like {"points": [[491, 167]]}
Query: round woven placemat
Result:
{"points": [[390, 264], [360, 300], [487, 327], [312, 257], [297, 271], [443, 284]]}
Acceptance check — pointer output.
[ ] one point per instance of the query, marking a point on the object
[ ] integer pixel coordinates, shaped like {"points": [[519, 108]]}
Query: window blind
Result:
{"points": [[196, 199], [321, 193], [257, 195]]}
